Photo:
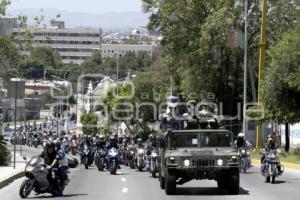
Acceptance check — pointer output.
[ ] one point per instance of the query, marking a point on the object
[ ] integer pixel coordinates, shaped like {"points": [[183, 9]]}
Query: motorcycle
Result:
{"points": [[141, 160], [131, 158], [245, 161], [86, 156], [37, 179], [153, 163], [35, 142], [100, 159], [73, 147], [271, 168], [113, 160]]}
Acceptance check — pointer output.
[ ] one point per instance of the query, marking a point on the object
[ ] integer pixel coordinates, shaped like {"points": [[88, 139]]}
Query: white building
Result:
{"points": [[110, 50], [74, 45]]}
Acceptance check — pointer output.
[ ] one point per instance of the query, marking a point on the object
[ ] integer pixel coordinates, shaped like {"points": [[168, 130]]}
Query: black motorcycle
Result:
{"points": [[100, 155], [113, 160], [131, 158], [86, 156], [245, 161], [37, 179]]}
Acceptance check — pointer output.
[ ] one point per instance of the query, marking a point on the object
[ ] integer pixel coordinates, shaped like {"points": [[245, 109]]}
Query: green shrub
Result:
{"points": [[4, 153]]}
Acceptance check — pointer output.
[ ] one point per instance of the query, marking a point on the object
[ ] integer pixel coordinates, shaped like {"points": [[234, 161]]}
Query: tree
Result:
{"points": [[48, 56], [89, 123], [281, 96], [194, 45], [3, 5], [4, 152], [9, 56]]}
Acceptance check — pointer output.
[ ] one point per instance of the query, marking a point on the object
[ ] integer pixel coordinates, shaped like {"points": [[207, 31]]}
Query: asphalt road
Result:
{"points": [[133, 185]]}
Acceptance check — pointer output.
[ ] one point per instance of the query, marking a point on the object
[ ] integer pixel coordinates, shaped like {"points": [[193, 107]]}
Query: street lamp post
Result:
{"points": [[245, 68]]}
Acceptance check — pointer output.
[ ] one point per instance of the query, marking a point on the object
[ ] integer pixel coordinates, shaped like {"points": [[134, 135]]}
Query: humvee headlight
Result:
{"points": [[172, 158], [220, 162], [233, 158], [186, 163]]}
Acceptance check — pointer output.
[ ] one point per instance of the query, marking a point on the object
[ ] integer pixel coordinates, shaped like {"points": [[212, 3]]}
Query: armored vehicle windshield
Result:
{"points": [[200, 139]]}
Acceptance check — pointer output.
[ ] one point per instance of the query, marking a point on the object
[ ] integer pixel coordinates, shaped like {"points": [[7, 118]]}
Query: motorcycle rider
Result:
{"points": [[270, 145], [139, 144], [100, 144], [113, 143], [240, 141], [151, 144], [62, 162], [49, 154]]}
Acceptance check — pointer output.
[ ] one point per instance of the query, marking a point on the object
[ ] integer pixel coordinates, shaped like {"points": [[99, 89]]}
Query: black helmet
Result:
{"points": [[57, 144], [51, 145]]}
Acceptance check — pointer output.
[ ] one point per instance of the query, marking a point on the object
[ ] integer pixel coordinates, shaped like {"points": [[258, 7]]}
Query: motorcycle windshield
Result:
{"points": [[113, 152], [35, 161]]}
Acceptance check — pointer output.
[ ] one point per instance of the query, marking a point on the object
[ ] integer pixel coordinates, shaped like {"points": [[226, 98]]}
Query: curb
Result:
{"points": [[286, 165], [6, 181]]}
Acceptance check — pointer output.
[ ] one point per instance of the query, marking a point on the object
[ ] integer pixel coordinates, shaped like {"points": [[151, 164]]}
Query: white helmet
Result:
{"points": [[241, 135]]}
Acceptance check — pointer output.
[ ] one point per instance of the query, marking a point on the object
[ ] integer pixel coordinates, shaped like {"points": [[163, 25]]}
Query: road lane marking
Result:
{"points": [[125, 190], [123, 179]]}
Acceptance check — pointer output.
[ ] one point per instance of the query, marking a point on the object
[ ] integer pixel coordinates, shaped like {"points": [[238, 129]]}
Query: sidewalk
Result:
{"points": [[8, 174], [286, 165]]}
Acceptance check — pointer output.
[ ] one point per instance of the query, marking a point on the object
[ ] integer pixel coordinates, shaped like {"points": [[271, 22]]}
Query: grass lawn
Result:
{"points": [[284, 157]]}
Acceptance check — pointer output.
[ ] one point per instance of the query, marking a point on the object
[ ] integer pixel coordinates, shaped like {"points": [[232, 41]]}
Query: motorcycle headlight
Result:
{"points": [[86, 151], [154, 154], [140, 151], [273, 156], [243, 151], [28, 168]]}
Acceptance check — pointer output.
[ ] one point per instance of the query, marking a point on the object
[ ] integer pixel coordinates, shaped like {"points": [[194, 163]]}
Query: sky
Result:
{"points": [[84, 6]]}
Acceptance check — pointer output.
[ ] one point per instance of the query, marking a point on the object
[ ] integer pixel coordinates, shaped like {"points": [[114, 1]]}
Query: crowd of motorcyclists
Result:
{"points": [[110, 151], [130, 150]]}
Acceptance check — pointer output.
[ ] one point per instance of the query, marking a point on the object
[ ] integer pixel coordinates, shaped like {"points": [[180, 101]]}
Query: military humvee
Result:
{"points": [[198, 154]]}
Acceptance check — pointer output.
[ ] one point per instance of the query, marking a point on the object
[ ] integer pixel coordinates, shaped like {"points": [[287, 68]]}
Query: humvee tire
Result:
{"points": [[234, 182], [170, 184], [221, 184]]}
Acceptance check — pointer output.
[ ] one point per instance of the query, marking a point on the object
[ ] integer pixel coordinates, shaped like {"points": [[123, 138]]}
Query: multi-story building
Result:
{"points": [[7, 25], [111, 50], [76, 44]]}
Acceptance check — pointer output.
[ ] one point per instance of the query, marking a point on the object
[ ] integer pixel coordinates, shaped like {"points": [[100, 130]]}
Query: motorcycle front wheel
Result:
{"points": [[86, 163], [25, 189], [245, 167]]}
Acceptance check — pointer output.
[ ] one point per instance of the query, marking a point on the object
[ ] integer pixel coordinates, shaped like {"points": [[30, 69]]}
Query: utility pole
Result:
{"points": [[262, 48], [245, 68]]}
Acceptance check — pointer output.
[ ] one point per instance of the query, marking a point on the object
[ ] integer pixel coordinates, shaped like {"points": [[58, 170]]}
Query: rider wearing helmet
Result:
{"points": [[100, 144], [139, 144], [240, 142], [60, 164], [49, 154], [113, 142]]}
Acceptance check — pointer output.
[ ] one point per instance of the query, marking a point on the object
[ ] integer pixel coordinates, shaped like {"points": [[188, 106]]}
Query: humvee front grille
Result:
{"points": [[203, 163]]}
